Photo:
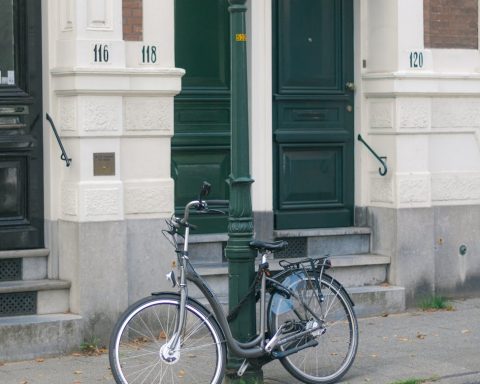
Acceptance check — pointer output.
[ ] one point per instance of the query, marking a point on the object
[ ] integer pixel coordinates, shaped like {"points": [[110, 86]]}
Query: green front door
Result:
{"points": [[313, 113], [21, 169], [201, 144]]}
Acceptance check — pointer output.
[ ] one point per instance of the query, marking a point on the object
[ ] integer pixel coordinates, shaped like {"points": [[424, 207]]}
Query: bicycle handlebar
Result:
{"points": [[200, 206]]}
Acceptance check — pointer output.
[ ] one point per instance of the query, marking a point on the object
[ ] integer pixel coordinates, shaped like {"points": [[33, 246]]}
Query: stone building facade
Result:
{"points": [[139, 92]]}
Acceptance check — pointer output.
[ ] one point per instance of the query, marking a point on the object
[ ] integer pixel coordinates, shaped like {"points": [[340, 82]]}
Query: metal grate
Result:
{"points": [[11, 269], [18, 303], [297, 247]]}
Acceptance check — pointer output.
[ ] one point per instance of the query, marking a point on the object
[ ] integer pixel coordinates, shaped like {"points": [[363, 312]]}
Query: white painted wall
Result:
{"points": [[260, 101], [425, 120]]}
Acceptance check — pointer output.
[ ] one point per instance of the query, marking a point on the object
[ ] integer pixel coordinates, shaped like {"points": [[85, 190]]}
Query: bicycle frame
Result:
{"points": [[254, 349]]}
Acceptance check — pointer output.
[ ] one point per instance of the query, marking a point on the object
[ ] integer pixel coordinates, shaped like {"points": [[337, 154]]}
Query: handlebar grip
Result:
{"points": [[225, 203]]}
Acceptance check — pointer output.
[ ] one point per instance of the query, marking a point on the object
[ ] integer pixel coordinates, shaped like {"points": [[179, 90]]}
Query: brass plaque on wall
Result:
{"points": [[104, 164]]}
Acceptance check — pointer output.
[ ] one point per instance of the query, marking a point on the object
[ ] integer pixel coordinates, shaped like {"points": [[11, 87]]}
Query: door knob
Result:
{"points": [[350, 86]]}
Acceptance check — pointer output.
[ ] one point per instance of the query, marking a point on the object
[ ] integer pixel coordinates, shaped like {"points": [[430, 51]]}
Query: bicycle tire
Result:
{"points": [[142, 331], [331, 358]]}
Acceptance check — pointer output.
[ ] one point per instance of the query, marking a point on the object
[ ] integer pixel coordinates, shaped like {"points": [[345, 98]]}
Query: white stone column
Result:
{"points": [[112, 100], [260, 98], [398, 126]]}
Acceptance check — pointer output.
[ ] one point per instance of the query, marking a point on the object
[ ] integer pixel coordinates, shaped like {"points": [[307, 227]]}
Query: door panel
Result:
{"points": [[201, 144], [313, 118], [308, 48], [21, 166]]}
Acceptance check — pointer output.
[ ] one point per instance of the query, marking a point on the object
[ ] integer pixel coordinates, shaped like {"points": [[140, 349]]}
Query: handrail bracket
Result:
{"points": [[382, 159], [64, 155]]}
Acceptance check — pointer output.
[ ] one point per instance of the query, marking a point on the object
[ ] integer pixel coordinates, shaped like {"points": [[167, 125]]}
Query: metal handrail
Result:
{"points": [[64, 155], [381, 159]]}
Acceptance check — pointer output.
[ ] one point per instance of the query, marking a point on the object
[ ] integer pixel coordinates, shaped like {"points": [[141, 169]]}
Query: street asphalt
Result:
{"points": [[441, 347]]}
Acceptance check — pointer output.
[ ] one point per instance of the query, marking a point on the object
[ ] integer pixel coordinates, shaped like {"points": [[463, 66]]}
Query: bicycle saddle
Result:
{"points": [[268, 246]]}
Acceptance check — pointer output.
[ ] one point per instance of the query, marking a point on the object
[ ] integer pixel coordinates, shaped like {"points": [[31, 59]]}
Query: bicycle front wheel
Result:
{"points": [[337, 339], [138, 347]]}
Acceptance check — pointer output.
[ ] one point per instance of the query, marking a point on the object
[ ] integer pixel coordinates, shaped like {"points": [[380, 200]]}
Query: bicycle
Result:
{"points": [[308, 323]]}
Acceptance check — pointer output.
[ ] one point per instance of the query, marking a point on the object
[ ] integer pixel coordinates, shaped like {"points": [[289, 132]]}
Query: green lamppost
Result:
{"points": [[240, 257]]}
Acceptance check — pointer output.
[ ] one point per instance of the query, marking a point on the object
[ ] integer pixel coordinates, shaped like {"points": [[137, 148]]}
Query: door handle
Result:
{"points": [[350, 86]]}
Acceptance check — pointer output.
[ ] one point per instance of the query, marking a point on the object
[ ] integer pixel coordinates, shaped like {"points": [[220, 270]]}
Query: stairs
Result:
{"points": [[34, 310], [363, 273]]}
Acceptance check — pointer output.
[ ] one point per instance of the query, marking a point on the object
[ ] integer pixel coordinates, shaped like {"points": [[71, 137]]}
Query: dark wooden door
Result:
{"points": [[21, 167], [313, 113], [201, 144]]}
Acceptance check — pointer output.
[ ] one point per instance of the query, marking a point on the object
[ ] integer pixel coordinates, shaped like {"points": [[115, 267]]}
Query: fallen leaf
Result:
{"points": [[374, 355], [421, 336], [39, 360], [24, 382], [399, 338], [465, 331], [162, 335], [77, 372], [76, 354], [181, 373]]}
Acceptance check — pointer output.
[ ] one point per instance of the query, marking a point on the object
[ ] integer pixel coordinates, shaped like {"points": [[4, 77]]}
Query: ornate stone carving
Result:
{"points": [[459, 186], [455, 113], [381, 114], [100, 113], [413, 189], [148, 197], [148, 114], [69, 198], [381, 189], [413, 113], [67, 113], [102, 201]]}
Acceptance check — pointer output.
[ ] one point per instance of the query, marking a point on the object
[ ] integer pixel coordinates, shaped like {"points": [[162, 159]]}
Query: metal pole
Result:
{"points": [[240, 227]]}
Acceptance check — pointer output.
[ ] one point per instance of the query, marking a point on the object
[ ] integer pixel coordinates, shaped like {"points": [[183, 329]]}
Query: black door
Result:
{"points": [[313, 113], [21, 168]]}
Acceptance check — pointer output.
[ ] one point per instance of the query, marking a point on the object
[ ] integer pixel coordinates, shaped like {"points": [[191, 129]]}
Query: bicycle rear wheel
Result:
{"points": [[138, 352], [337, 341]]}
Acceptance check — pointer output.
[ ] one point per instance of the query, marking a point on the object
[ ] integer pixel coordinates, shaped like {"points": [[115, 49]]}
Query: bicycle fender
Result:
{"points": [[178, 295], [342, 288]]}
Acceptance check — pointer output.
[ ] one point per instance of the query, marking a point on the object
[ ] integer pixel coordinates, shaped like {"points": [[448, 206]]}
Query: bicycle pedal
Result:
{"points": [[243, 368]]}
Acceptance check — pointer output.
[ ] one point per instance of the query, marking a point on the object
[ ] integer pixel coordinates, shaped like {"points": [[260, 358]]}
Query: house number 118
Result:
{"points": [[149, 54]]}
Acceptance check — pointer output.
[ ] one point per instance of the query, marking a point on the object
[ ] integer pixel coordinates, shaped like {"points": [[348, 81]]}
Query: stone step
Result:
{"points": [[302, 243], [33, 262], [363, 276], [52, 296], [350, 270], [374, 300], [28, 337], [377, 300], [325, 241]]}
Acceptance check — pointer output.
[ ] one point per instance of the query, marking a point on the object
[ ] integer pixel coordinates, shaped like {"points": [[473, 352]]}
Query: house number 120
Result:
{"points": [[416, 59]]}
